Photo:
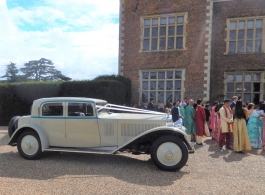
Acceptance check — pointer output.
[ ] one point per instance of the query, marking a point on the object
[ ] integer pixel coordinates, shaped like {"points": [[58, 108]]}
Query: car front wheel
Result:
{"points": [[169, 153], [29, 145]]}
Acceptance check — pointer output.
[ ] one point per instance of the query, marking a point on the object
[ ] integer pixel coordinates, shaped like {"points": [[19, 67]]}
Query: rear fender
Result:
{"points": [[42, 135], [153, 134]]}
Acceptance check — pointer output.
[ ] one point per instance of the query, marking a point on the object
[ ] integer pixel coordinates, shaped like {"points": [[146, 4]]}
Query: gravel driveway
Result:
{"points": [[208, 171]]}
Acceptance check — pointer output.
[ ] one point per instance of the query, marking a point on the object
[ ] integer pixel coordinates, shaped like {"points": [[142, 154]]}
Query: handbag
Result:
{"points": [[207, 132]]}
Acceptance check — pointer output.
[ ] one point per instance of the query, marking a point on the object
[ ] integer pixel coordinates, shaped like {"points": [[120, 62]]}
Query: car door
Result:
{"points": [[52, 120], [81, 125]]}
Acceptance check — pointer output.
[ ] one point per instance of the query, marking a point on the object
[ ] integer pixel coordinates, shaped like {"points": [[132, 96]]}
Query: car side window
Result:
{"points": [[80, 109], [52, 109]]}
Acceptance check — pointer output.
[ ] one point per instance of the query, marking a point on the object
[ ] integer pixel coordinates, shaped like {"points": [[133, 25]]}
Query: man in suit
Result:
{"points": [[175, 112], [151, 104]]}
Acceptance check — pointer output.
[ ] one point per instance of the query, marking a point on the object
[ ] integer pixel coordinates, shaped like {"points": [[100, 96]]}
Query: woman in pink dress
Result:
{"points": [[213, 120], [218, 121]]}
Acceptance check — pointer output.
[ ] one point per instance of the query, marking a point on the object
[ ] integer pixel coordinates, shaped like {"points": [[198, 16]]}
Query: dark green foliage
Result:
{"points": [[42, 70], [126, 81], [16, 98], [112, 91], [11, 73]]}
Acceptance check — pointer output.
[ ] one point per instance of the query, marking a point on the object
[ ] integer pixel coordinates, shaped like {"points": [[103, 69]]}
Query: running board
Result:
{"points": [[78, 150]]}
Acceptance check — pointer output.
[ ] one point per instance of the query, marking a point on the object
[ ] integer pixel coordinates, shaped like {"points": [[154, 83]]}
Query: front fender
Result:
{"points": [[173, 130], [42, 135]]}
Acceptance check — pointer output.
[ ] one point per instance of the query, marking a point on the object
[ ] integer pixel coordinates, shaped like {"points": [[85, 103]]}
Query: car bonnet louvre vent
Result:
{"points": [[109, 129], [132, 130]]}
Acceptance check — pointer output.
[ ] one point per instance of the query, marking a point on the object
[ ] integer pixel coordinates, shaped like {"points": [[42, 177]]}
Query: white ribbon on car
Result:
{"points": [[127, 109]]}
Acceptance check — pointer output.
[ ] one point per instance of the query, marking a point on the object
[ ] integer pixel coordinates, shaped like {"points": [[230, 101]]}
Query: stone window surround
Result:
{"points": [[227, 29], [184, 14], [182, 90], [243, 73]]}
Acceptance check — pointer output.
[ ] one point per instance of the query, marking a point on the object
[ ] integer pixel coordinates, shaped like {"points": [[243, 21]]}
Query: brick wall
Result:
{"points": [[222, 62], [193, 58]]}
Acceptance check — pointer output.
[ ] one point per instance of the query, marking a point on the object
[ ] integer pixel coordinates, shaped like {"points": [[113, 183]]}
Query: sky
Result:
{"points": [[81, 37]]}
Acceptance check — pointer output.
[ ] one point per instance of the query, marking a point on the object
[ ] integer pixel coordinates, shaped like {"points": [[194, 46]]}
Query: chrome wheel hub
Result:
{"points": [[169, 154]]}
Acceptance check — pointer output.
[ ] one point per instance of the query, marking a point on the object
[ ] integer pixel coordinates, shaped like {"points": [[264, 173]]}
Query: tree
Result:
{"points": [[11, 73], [42, 70]]}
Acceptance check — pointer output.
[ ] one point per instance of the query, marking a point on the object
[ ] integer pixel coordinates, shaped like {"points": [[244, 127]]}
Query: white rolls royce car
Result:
{"points": [[86, 125]]}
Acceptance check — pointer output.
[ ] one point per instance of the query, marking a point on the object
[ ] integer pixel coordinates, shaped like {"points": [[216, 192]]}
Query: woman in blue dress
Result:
{"points": [[255, 126]]}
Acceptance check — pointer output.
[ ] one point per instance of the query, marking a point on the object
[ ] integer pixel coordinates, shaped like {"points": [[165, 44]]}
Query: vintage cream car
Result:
{"points": [[87, 125]]}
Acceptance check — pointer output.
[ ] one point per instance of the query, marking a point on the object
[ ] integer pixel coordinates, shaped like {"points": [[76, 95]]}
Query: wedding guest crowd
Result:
{"points": [[232, 123]]}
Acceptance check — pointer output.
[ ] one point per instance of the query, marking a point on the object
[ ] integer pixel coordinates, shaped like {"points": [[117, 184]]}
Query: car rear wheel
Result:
{"points": [[29, 145], [169, 153]]}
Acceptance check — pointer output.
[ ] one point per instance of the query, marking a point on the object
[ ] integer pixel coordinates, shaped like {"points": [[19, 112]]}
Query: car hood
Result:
{"points": [[133, 116]]}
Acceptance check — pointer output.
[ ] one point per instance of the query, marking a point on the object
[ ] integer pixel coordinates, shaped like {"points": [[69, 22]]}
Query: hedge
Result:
{"points": [[122, 79], [16, 98]]}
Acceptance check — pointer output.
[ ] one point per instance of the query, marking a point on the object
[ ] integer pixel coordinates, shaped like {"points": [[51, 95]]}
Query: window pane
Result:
{"points": [[145, 96], [232, 47], [229, 95], [247, 87], [241, 34], [256, 77], [232, 34], [249, 46], [52, 109], [177, 95], [161, 85], [241, 24], [232, 25], [230, 87], [161, 97], [170, 44], [239, 77], [147, 32], [155, 32], [240, 46], [256, 87], [163, 43], [145, 85], [230, 77], [169, 85], [154, 44], [179, 30], [145, 75], [258, 46], [147, 22], [163, 31], [250, 34], [163, 21], [161, 75], [169, 97], [146, 44], [169, 74], [179, 42], [239, 87], [171, 31], [178, 74], [259, 23], [247, 77], [154, 22], [178, 85], [152, 94], [153, 75], [247, 97], [251, 24], [171, 20], [258, 33], [180, 20], [256, 99], [152, 85]]}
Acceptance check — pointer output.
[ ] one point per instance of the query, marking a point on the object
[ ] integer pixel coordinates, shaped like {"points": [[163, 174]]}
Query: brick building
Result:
{"points": [[207, 49]]}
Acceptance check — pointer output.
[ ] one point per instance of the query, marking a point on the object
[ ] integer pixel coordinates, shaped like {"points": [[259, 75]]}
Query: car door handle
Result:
{"points": [[41, 121]]}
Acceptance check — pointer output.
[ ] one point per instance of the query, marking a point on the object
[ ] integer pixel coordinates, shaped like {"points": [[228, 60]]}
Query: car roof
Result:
{"points": [[50, 99]]}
